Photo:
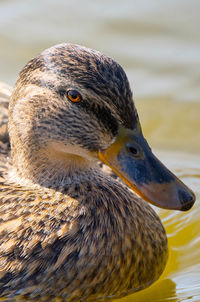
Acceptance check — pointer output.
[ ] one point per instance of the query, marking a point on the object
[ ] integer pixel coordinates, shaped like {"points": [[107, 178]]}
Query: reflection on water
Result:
{"points": [[158, 44], [164, 290]]}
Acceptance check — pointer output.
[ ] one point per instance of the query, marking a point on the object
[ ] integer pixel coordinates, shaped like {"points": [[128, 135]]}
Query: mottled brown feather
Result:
{"points": [[71, 231]]}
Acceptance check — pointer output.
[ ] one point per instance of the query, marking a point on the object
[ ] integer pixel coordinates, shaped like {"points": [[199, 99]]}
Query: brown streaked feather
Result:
{"points": [[79, 233], [5, 93], [49, 239]]}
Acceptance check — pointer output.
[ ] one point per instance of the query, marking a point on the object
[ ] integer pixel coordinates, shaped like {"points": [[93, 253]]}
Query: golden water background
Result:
{"points": [[158, 44]]}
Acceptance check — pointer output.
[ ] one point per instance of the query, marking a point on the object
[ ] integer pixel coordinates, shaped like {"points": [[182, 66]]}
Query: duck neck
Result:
{"points": [[49, 167]]}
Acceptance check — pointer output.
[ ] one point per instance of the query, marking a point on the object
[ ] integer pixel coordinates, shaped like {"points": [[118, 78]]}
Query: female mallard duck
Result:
{"points": [[69, 231]]}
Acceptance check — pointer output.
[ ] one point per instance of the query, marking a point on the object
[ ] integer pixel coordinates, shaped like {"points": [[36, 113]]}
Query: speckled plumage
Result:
{"points": [[69, 231]]}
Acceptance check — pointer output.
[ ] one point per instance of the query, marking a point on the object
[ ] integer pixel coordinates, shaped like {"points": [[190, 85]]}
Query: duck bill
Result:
{"points": [[131, 158]]}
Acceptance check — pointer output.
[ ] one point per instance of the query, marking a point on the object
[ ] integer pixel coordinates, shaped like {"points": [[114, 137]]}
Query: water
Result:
{"points": [[158, 44]]}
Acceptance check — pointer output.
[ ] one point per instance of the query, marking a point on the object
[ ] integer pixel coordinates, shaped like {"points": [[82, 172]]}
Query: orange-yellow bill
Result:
{"points": [[131, 158]]}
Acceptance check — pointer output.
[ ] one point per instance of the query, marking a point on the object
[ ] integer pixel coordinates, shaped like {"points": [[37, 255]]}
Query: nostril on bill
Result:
{"points": [[186, 198], [132, 149]]}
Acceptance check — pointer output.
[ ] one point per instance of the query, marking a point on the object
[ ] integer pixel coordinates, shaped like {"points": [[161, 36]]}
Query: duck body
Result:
{"points": [[71, 230], [83, 240]]}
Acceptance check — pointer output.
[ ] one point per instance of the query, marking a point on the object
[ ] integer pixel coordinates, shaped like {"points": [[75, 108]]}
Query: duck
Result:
{"points": [[5, 93], [76, 180]]}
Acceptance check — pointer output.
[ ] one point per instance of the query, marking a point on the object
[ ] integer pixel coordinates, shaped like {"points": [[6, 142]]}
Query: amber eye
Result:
{"points": [[74, 96]]}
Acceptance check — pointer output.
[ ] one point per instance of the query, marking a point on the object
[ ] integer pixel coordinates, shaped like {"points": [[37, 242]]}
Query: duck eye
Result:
{"points": [[74, 96]]}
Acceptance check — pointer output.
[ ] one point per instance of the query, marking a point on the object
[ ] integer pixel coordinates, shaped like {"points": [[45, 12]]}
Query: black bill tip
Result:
{"points": [[187, 199]]}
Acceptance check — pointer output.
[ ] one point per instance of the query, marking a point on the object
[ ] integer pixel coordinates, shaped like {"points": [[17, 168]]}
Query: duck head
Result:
{"points": [[73, 106]]}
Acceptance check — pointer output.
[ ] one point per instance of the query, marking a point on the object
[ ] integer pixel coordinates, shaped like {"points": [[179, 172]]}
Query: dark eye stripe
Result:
{"points": [[103, 115]]}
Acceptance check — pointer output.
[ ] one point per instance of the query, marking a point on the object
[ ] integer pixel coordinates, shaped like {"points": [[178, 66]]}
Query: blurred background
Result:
{"points": [[158, 45]]}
